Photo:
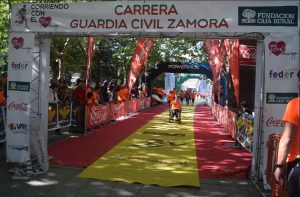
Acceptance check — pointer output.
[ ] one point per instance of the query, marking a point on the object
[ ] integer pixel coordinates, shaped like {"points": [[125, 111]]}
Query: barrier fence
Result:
{"points": [[240, 126], [61, 116]]}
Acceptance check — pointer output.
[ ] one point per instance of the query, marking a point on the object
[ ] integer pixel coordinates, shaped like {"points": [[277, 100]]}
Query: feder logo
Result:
{"points": [[19, 65]]}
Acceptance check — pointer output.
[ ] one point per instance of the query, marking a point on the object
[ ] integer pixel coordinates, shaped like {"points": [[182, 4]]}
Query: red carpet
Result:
{"points": [[81, 151], [217, 158]]}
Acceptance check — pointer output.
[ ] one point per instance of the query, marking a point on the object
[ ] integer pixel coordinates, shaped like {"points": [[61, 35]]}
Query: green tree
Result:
{"points": [[4, 10]]}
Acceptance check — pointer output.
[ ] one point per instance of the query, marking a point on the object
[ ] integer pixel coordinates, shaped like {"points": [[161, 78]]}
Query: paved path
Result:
{"points": [[63, 182]]}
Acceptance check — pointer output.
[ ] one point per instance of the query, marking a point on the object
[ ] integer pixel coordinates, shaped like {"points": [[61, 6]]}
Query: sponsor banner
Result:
{"points": [[154, 16], [18, 100], [268, 16], [130, 106], [231, 124], [141, 103], [20, 86], [74, 114], [97, 115], [52, 116], [247, 54], [64, 115], [148, 102], [282, 63], [281, 67], [143, 48], [245, 129], [280, 98], [118, 110]]}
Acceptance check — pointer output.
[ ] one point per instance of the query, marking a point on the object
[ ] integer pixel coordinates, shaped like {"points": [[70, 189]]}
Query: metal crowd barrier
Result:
{"points": [[240, 126], [61, 116]]}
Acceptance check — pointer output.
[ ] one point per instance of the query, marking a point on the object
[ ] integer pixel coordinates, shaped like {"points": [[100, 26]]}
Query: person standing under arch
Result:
{"points": [[289, 148]]}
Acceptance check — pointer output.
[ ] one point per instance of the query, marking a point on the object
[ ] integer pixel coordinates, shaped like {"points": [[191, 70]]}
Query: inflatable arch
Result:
{"points": [[176, 67]]}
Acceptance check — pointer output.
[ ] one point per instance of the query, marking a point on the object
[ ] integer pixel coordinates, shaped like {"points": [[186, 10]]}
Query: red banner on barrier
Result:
{"points": [[140, 56], [97, 115]]}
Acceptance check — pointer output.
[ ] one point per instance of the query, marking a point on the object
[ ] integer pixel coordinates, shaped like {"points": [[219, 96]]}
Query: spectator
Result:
{"points": [[193, 97], [160, 92], [90, 99], [104, 92], [289, 148], [170, 97], [63, 94], [78, 98], [181, 95], [52, 96], [123, 93], [244, 107], [116, 90]]}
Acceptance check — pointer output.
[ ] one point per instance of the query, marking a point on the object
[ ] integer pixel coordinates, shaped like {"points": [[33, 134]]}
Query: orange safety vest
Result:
{"points": [[175, 104], [170, 97], [292, 115]]}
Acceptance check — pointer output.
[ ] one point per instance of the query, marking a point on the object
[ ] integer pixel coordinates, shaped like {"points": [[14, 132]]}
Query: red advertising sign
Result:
{"points": [[247, 55], [97, 115]]}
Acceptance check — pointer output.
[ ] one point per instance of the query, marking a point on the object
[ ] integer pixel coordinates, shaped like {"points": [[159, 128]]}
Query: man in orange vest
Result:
{"points": [[170, 97], [289, 148], [175, 107]]}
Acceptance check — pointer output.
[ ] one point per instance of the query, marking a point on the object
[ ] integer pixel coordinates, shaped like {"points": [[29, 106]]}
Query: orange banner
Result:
{"points": [[89, 57], [216, 56], [144, 46], [232, 49]]}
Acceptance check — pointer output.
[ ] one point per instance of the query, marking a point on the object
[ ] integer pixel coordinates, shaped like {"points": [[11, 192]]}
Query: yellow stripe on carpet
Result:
{"points": [[159, 153]]}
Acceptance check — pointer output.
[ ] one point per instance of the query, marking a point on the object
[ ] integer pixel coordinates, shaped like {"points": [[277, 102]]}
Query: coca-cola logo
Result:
{"points": [[18, 106], [248, 53], [272, 122], [97, 115]]}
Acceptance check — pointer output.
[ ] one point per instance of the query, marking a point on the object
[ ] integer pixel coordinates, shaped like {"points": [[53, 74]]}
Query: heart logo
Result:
{"points": [[277, 48], [45, 21], [17, 42]]}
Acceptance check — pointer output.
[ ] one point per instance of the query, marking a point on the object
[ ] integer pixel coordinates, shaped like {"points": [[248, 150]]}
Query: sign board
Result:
{"points": [[156, 16]]}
